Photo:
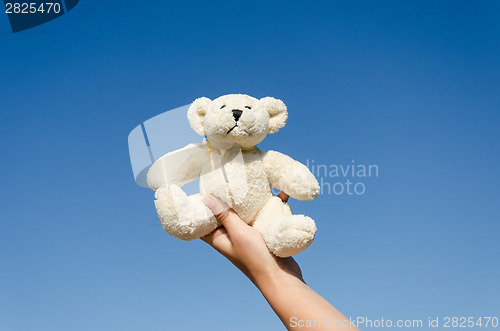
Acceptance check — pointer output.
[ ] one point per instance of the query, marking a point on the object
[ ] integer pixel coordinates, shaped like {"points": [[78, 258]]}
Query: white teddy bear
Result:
{"points": [[231, 167]]}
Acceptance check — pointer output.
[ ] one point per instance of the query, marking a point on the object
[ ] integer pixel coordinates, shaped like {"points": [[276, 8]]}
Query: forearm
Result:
{"points": [[278, 279], [295, 303]]}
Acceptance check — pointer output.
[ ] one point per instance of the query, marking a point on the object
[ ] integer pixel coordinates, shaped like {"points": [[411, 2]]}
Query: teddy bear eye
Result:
{"points": [[222, 106], [248, 107]]}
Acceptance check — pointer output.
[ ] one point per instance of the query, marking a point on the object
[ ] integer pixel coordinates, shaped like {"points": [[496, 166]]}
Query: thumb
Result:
{"points": [[228, 217]]}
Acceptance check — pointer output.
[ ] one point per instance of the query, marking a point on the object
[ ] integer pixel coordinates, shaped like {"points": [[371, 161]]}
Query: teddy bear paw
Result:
{"points": [[184, 217], [293, 234]]}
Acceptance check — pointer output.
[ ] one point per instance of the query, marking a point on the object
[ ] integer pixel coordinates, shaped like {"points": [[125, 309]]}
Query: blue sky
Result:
{"points": [[410, 86]]}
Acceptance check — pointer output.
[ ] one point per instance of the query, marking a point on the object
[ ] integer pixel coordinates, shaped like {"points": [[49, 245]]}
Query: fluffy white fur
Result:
{"points": [[230, 166]]}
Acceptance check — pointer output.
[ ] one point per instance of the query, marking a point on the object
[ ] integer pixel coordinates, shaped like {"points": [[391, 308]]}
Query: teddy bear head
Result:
{"points": [[237, 119]]}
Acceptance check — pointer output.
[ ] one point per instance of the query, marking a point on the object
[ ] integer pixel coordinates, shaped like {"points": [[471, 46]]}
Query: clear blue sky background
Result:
{"points": [[412, 86]]}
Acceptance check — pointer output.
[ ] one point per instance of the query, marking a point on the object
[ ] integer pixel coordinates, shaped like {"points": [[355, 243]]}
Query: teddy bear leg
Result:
{"points": [[184, 217], [293, 234], [285, 234]]}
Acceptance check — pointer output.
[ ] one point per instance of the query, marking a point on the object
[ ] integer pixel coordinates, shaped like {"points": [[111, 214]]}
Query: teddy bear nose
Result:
{"points": [[237, 114]]}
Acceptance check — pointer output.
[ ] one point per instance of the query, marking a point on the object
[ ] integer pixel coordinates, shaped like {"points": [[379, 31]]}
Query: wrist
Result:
{"points": [[272, 278]]}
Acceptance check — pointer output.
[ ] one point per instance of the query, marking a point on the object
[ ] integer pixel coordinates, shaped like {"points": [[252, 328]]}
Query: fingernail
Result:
{"points": [[208, 201]]}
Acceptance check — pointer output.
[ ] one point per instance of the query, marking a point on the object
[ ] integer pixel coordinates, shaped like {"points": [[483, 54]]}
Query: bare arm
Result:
{"points": [[278, 279], [290, 176]]}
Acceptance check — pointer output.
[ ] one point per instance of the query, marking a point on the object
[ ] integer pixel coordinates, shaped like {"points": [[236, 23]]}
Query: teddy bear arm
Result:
{"points": [[179, 167], [290, 176], [192, 168]]}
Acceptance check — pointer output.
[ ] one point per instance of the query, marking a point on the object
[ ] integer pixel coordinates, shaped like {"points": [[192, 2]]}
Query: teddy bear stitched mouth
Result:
{"points": [[232, 128]]}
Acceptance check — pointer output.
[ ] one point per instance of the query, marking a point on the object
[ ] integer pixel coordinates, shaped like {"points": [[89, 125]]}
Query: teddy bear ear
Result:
{"points": [[277, 113], [196, 114]]}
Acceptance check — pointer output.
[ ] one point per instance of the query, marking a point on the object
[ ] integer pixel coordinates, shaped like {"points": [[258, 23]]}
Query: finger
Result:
{"points": [[219, 239], [229, 219], [283, 196], [209, 238]]}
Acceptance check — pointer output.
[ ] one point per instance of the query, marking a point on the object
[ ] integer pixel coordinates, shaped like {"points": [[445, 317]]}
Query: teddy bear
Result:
{"points": [[230, 166]]}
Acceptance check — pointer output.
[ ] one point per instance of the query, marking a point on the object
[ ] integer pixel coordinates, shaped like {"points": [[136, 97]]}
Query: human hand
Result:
{"points": [[244, 246], [278, 279]]}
